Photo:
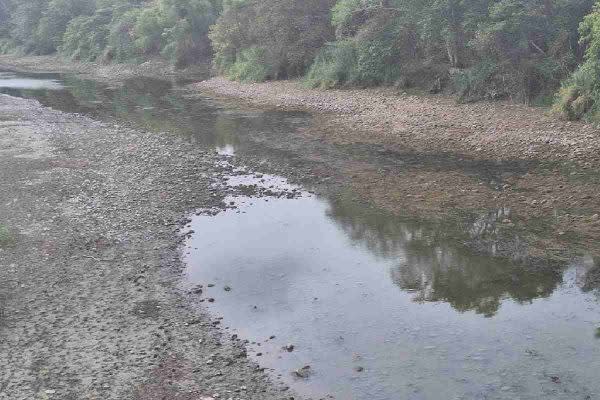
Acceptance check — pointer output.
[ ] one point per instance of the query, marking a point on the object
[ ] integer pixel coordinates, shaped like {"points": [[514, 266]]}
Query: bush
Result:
{"points": [[86, 37], [250, 66], [579, 96], [53, 25], [335, 65], [121, 43], [479, 82], [289, 32]]}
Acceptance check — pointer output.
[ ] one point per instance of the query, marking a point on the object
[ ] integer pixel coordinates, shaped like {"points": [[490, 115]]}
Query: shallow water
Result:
{"points": [[20, 81], [384, 308], [380, 307]]}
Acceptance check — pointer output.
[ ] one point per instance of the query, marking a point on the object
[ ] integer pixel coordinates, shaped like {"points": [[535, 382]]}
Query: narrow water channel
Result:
{"points": [[379, 307]]}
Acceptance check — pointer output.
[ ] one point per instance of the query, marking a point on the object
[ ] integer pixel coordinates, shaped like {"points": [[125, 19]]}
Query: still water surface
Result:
{"points": [[380, 307]]}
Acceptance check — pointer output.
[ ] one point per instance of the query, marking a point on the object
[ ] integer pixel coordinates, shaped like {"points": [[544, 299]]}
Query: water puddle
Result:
{"points": [[377, 307]]}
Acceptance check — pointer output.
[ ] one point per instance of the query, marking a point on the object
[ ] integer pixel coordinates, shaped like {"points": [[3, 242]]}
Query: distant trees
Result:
{"points": [[115, 29], [270, 39], [478, 49], [579, 96]]}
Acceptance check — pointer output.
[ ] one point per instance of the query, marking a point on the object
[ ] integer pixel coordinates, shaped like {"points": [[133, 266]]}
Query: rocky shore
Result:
{"points": [[157, 68], [427, 124], [91, 303]]}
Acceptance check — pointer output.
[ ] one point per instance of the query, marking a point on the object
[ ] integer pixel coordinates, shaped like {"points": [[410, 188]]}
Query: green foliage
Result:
{"points": [[334, 65], [250, 66], [518, 49], [6, 237], [290, 33], [579, 97], [110, 29], [86, 37], [121, 40], [478, 82], [479, 49]]}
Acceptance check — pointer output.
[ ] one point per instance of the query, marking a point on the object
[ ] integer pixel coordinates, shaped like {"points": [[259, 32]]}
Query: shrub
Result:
{"points": [[335, 65], [250, 66], [289, 32], [6, 237], [86, 37], [578, 97], [121, 43], [478, 82]]}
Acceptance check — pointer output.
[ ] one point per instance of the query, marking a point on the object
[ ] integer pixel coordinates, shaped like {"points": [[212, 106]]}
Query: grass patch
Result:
{"points": [[6, 237]]}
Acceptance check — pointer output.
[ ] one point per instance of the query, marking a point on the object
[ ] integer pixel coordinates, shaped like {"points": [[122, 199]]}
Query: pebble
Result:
{"points": [[303, 372]]}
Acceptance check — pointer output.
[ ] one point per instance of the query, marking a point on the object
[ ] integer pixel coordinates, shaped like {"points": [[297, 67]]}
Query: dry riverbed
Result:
{"points": [[91, 303]]}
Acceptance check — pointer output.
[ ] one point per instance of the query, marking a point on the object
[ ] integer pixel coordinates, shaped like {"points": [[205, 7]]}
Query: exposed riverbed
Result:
{"points": [[378, 305]]}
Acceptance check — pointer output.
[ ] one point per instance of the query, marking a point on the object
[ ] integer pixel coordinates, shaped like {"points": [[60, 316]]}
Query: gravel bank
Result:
{"points": [[91, 303], [157, 68], [428, 124]]}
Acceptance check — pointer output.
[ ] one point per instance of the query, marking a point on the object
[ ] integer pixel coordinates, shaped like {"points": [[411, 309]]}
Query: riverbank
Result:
{"points": [[437, 157], [91, 298], [97, 212], [156, 68], [426, 124]]}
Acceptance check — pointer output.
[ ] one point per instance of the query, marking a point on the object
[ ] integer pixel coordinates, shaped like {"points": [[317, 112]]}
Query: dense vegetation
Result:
{"points": [[524, 50], [110, 30]]}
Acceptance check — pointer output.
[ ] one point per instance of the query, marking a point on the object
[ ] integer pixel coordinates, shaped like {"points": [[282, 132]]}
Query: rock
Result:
{"points": [[303, 372], [227, 289], [359, 369], [289, 348]]}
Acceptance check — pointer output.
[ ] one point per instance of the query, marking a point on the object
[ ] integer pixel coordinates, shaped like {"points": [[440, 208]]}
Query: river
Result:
{"points": [[379, 307]]}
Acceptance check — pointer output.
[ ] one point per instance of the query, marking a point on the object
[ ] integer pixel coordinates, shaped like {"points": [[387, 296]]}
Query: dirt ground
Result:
{"points": [[91, 303]]}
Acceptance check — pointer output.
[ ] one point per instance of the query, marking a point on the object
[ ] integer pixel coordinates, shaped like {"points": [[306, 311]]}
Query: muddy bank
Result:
{"points": [[112, 73], [428, 124], [90, 299]]}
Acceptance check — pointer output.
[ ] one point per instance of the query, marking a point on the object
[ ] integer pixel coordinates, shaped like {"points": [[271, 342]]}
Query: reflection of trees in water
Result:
{"points": [[471, 282], [591, 279], [434, 264]]}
